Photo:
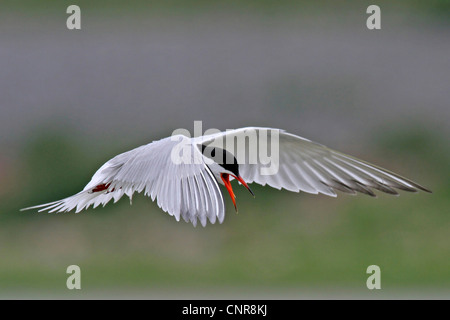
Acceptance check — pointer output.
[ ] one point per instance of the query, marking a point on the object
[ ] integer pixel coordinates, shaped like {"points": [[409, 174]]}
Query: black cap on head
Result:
{"points": [[223, 158]]}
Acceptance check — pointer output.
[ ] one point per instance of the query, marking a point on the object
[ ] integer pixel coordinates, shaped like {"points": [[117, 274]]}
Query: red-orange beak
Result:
{"points": [[244, 184], [226, 180]]}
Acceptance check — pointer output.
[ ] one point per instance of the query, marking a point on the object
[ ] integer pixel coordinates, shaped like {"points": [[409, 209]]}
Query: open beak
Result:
{"points": [[244, 184], [226, 181]]}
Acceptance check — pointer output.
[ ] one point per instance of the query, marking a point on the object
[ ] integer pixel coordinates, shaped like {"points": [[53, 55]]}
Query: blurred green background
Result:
{"points": [[71, 100]]}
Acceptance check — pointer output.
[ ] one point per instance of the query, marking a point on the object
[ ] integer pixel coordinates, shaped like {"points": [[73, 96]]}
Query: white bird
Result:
{"points": [[190, 189]]}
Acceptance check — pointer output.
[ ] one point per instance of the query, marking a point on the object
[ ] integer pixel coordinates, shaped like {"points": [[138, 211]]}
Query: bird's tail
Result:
{"points": [[80, 201]]}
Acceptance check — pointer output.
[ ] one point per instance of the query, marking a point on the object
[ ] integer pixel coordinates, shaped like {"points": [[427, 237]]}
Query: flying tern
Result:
{"points": [[190, 189]]}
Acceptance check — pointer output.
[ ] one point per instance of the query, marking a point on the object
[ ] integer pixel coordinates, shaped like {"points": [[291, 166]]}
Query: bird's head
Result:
{"points": [[227, 166]]}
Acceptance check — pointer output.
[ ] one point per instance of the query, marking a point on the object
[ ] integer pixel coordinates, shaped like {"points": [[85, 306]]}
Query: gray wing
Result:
{"points": [[303, 165], [184, 188]]}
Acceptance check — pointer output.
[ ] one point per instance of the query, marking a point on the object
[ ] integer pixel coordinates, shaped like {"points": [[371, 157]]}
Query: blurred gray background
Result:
{"points": [[70, 100]]}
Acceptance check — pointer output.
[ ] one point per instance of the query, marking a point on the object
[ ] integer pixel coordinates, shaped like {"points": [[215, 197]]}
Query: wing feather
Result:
{"points": [[304, 165], [187, 189]]}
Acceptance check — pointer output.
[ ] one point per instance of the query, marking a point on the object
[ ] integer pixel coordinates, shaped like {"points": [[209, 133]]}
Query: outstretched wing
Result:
{"points": [[170, 170], [297, 164]]}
